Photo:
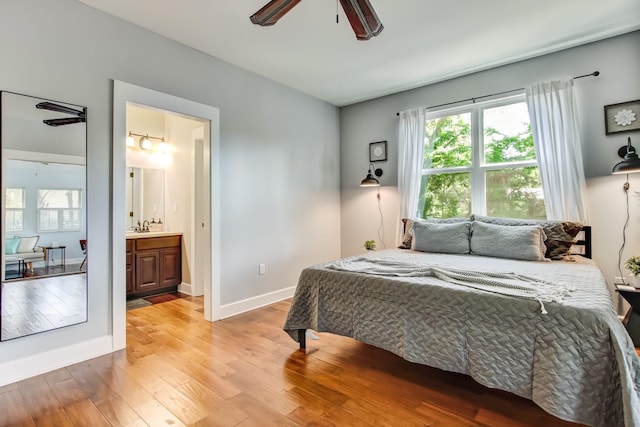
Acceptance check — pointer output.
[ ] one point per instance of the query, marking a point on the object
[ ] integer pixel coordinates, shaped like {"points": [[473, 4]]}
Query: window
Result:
{"points": [[481, 159], [59, 210], [14, 210]]}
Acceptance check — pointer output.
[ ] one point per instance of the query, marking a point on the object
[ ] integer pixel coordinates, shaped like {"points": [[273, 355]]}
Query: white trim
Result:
{"points": [[253, 303], [32, 156], [123, 94], [185, 288], [36, 364]]}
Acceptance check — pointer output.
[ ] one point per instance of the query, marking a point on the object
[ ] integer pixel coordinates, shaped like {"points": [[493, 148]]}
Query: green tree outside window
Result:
{"points": [[511, 180]]}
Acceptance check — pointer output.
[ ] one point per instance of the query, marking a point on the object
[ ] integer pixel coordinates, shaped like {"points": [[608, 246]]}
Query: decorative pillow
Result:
{"points": [[11, 245], [524, 242], [448, 238], [28, 244], [560, 235], [408, 228]]}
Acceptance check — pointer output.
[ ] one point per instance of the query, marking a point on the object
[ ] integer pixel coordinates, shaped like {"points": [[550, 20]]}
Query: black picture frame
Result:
{"points": [[610, 112], [378, 151]]}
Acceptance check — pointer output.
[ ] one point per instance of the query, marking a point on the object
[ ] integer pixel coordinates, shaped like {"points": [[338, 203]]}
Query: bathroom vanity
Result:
{"points": [[154, 263]]}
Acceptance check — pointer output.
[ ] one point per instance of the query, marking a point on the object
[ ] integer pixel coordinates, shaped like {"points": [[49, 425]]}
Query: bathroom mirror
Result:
{"points": [[144, 196], [43, 210]]}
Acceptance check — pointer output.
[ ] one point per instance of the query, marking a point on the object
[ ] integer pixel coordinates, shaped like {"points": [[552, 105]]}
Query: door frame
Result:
{"points": [[200, 230], [126, 93]]}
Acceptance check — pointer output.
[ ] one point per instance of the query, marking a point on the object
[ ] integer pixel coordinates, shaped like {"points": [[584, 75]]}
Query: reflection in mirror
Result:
{"points": [[44, 279], [144, 197]]}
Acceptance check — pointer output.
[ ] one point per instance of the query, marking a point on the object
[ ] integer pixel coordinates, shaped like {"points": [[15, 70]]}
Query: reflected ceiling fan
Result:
{"points": [[362, 17], [79, 115]]}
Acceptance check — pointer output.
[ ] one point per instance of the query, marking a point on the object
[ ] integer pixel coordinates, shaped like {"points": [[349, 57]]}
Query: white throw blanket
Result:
{"points": [[504, 283]]}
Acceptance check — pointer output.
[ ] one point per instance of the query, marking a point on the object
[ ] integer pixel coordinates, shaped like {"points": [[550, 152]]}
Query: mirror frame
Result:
{"points": [[56, 113]]}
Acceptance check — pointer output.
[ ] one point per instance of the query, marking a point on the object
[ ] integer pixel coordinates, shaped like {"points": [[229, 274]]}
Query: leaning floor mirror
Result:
{"points": [[44, 264]]}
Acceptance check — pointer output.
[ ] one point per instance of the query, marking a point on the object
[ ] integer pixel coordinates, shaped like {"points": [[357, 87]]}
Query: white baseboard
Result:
{"points": [[185, 288], [249, 304], [30, 366]]}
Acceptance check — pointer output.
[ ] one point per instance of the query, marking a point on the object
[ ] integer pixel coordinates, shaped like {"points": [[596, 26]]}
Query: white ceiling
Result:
{"points": [[423, 41]]}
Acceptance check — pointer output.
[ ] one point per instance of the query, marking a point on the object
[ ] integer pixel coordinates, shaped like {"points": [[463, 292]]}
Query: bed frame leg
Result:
{"points": [[302, 339]]}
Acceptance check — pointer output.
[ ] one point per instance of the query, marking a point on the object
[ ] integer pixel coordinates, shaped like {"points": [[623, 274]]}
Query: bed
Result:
{"points": [[566, 351]]}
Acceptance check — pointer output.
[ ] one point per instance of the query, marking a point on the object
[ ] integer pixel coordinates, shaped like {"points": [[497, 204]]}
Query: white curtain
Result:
{"points": [[554, 124], [410, 149]]}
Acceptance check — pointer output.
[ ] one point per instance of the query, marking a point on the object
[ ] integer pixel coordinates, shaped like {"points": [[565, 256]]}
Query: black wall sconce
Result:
{"points": [[370, 181], [630, 162]]}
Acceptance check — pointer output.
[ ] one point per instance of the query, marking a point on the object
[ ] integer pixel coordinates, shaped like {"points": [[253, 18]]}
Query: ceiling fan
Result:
{"points": [[80, 115], [362, 17]]}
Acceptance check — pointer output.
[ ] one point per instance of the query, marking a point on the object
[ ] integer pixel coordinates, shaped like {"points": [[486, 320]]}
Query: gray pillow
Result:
{"points": [[448, 238], [559, 235], [524, 242], [407, 238]]}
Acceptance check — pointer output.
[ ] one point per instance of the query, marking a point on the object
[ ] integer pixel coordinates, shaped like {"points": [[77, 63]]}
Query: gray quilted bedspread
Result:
{"points": [[576, 361]]}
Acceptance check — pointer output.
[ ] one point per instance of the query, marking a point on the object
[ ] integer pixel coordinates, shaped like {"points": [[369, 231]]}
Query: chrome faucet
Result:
{"points": [[145, 225]]}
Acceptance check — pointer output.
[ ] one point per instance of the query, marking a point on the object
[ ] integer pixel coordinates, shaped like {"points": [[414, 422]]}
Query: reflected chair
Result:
{"points": [[83, 246]]}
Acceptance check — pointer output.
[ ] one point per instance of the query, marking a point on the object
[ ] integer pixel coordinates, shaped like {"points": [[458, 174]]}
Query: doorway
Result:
{"points": [[205, 202]]}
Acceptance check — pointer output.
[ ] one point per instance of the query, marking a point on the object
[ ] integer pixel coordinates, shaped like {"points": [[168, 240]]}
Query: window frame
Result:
{"points": [[60, 212], [479, 167], [22, 209]]}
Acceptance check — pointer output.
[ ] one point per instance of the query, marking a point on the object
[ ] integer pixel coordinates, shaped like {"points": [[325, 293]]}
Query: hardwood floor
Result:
{"points": [[245, 371], [33, 305]]}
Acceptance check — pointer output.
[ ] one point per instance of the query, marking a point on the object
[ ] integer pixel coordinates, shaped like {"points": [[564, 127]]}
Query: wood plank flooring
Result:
{"points": [[245, 371], [38, 304]]}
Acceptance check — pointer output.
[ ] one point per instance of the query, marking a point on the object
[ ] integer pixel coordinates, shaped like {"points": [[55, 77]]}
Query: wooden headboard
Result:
{"points": [[585, 241]]}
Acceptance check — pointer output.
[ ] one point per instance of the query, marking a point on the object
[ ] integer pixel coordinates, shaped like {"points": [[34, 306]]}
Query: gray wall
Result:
{"points": [[618, 59], [279, 148]]}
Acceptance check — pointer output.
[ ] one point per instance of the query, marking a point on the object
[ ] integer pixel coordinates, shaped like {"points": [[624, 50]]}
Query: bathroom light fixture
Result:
{"points": [[145, 141], [369, 180], [630, 162]]}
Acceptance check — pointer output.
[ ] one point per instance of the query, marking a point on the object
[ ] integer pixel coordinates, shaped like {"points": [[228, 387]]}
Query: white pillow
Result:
{"points": [[28, 244], [524, 242], [441, 237]]}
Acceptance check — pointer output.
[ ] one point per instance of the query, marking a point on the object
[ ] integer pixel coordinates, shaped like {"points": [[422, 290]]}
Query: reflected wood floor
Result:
{"points": [[40, 304], [179, 370]]}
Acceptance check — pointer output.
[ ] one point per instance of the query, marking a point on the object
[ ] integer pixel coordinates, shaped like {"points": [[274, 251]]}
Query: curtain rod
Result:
{"points": [[594, 74]]}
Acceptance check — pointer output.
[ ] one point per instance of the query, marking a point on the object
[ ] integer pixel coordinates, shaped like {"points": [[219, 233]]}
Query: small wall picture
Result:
{"points": [[622, 117], [378, 151]]}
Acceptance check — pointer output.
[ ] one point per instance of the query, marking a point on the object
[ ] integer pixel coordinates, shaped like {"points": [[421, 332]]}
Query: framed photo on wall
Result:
{"points": [[622, 117], [378, 151]]}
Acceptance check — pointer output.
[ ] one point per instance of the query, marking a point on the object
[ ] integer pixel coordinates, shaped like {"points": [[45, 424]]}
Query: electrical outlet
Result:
{"points": [[262, 269]]}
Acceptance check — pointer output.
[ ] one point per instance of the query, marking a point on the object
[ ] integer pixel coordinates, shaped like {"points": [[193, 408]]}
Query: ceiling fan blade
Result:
{"points": [[59, 108], [273, 11], [65, 121], [363, 18]]}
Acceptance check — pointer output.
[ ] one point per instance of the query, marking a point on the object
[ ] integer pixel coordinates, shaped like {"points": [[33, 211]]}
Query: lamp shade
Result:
{"points": [[369, 181], [630, 162]]}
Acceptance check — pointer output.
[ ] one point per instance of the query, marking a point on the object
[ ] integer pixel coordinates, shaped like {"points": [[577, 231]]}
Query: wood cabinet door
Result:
{"points": [[131, 278], [147, 270], [130, 269], [170, 267]]}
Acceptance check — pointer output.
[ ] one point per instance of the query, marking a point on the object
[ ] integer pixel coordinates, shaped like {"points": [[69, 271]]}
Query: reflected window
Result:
{"points": [[14, 212], [59, 210]]}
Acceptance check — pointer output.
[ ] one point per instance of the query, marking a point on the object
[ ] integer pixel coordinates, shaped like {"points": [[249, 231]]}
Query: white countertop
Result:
{"points": [[146, 234]]}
